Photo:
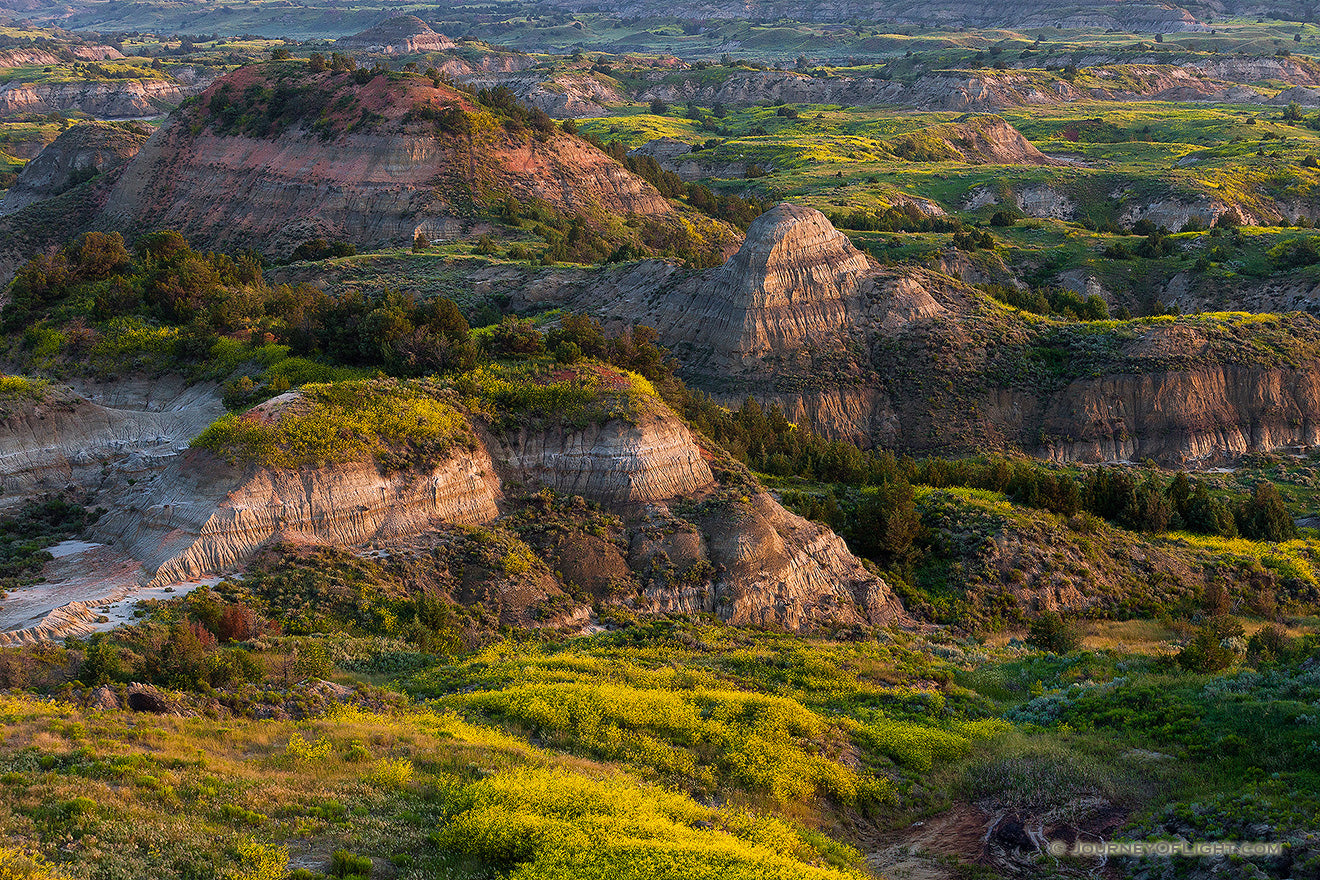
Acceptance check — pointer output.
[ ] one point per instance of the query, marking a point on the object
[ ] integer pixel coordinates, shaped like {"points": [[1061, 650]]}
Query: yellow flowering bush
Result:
{"points": [[391, 773], [759, 742], [18, 865], [340, 422], [546, 824]]}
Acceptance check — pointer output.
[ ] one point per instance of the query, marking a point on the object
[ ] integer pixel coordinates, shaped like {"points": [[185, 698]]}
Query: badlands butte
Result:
{"points": [[584, 440], [283, 162]]}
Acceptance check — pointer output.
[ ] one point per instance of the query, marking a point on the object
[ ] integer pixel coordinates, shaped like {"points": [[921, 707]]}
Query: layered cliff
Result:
{"points": [[744, 557], [915, 360], [78, 154], [62, 437], [1101, 78], [374, 162], [119, 99], [1138, 17]]}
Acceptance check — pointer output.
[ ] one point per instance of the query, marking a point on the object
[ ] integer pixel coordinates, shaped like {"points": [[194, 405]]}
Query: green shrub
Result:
{"points": [[345, 864], [1050, 631], [1207, 651]]}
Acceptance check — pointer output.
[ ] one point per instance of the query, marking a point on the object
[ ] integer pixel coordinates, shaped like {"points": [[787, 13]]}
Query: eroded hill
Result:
{"points": [[273, 156], [916, 360]]}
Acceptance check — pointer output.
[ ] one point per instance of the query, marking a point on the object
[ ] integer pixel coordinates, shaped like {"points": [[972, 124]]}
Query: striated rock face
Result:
{"points": [[617, 462], [965, 91], [1139, 17], [1180, 416], [788, 282], [82, 151], [764, 552], [751, 563], [203, 516], [789, 286], [34, 57], [401, 35], [686, 541], [66, 438], [1173, 214], [126, 99], [904, 358], [374, 185]]}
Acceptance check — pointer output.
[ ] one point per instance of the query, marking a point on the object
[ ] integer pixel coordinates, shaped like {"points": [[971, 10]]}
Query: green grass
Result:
{"points": [[510, 393], [233, 800], [341, 422]]}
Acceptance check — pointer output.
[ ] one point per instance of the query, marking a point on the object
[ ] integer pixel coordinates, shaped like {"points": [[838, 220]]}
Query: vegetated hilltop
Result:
{"points": [[631, 516], [77, 155], [275, 155], [915, 360]]}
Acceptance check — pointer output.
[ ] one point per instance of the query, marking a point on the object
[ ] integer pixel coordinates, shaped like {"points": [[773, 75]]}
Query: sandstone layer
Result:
{"points": [[125, 99], [698, 543], [401, 35], [66, 438]]}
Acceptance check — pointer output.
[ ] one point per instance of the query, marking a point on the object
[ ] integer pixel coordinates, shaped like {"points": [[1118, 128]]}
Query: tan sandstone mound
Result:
{"points": [[792, 283], [748, 560], [914, 359], [401, 35], [61, 437]]}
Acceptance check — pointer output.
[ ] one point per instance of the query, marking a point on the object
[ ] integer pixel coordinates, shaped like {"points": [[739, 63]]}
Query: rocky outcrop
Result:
{"points": [[975, 140], [1173, 213], [1102, 78], [752, 563], [66, 438], [82, 152], [698, 542], [401, 35], [571, 95], [202, 515], [374, 185], [788, 287], [34, 57], [119, 99], [31, 57], [1181, 417], [688, 162], [1133, 17], [905, 358], [618, 462]]}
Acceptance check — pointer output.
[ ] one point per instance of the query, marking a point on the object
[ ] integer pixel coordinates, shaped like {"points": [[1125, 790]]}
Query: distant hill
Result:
{"points": [[401, 35]]}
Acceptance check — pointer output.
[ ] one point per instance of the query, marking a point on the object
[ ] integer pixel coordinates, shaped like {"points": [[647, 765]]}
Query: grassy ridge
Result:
{"points": [[420, 789], [339, 423], [398, 422]]}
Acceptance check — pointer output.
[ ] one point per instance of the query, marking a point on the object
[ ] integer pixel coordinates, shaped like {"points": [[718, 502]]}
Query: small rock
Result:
{"points": [[331, 691], [104, 698], [145, 698]]}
